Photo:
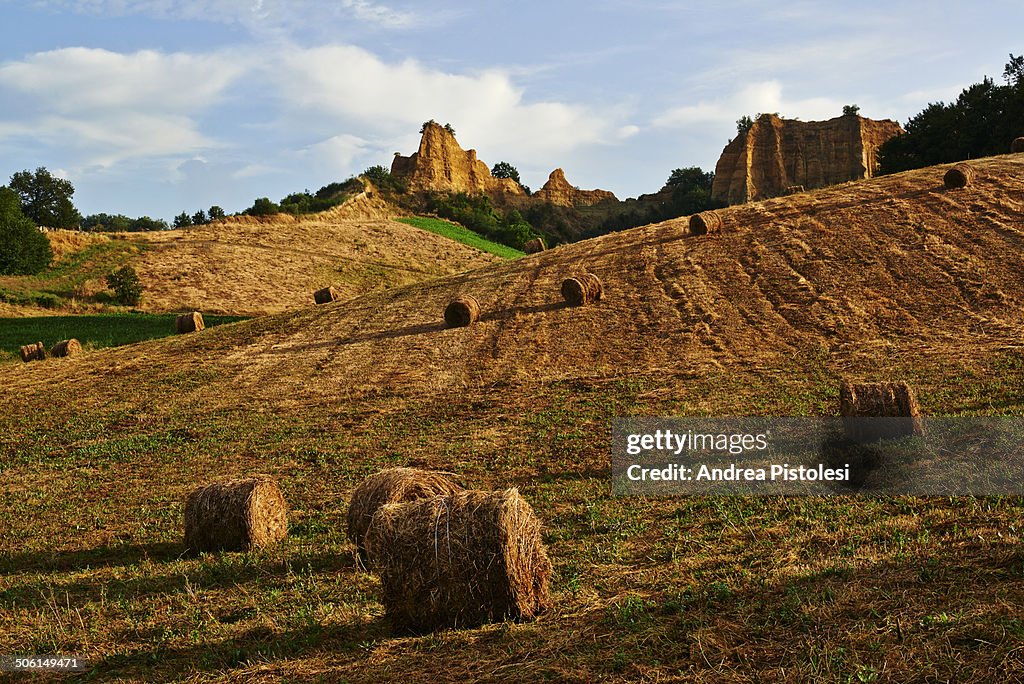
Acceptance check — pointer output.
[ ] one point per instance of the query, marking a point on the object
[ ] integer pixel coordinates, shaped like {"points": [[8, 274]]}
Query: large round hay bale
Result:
{"points": [[582, 289], [459, 560], [705, 222], [394, 485], [959, 176], [236, 515], [462, 311], [1017, 145], [190, 322], [33, 352], [326, 295], [879, 410], [535, 245], [66, 348]]}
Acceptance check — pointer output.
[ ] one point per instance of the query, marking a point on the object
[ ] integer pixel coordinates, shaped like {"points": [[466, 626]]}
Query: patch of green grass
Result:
{"points": [[62, 280], [93, 331], [454, 231]]}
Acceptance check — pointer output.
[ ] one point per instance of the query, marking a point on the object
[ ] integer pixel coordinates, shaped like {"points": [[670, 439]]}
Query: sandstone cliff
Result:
{"points": [[442, 165], [778, 153], [558, 191]]}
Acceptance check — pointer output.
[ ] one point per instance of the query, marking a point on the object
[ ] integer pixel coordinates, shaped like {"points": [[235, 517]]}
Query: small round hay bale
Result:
{"points": [[1017, 145], [236, 515], [535, 245], [394, 485], [459, 560], [33, 352], [583, 289], [960, 176], [326, 295], [705, 222], [190, 322], [793, 190], [879, 410], [65, 348], [462, 311]]}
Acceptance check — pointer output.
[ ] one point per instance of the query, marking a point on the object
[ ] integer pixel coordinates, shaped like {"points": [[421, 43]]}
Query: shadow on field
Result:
{"points": [[102, 557]]}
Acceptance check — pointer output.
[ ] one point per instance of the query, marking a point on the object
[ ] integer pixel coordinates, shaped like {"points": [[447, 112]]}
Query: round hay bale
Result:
{"points": [[873, 411], [960, 176], [236, 515], [535, 245], [583, 289], [463, 311], [459, 560], [33, 352], [1017, 145], [394, 485], [190, 322], [64, 348], [705, 222], [326, 295]]}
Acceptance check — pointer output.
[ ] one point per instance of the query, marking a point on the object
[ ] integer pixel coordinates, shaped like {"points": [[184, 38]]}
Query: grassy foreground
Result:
{"points": [[461, 234]]}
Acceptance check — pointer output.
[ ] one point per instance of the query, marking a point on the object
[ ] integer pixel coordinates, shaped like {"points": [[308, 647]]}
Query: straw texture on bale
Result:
{"points": [[66, 348], [793, 189], [705, 222], [535, 245], [236, 515], [462, 311], [33, 352], [326, 295], [583, 289], [1017, 145], [881, 410], [960, 176], [459, 560], [190, 322], [394, 485]]}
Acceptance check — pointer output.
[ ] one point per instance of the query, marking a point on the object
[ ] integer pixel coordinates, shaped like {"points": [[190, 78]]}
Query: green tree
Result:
{"points": [[451, 129], [263, 207], [126, 285], [505, 170], [426, 123], [144, 223], [215, 213], [199, 218], [851, 110], [23, 249], [182, 220], [1014, 70], [46, 199], [744, 124]]}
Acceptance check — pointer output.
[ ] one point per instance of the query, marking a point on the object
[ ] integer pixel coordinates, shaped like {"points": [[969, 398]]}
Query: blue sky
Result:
{"points": [[154, 107]]}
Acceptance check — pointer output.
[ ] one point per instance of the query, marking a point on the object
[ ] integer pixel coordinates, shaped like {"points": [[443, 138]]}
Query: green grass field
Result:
{"points": [[458, 233], [93, 331]]}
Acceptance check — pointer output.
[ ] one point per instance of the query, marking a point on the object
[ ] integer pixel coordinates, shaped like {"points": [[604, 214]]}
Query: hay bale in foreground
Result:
{"points": [[535, 245], [462, 311], [326, 295], [394, 485], [1017, 145], [33, 352], [190, 322], [65, 348], [459, 560], [236, 515], [960, 176], [705, 222], [583, 289], [879, 410], [793, 190]]}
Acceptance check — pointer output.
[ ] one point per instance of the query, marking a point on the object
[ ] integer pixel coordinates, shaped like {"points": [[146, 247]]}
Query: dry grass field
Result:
{"points": [[892, 278]]}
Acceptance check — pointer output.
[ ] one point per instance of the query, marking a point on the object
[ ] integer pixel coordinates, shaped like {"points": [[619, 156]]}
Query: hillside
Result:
{"points": [[892, 277]]}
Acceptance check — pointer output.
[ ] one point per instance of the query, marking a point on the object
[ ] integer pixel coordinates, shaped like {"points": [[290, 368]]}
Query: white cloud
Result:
{"points": [[766, 96]]}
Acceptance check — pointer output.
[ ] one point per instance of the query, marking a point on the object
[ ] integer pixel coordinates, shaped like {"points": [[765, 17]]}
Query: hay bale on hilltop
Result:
{"points": [[460, 560], [236, 515], [65, 348], [1017, 145], [793, 190], [879, 410], [960, 176], [463, 311], [33, 352], [705, 222], [394, 485], [535, 245], [190, 322], [326, 295], [582, 289]]}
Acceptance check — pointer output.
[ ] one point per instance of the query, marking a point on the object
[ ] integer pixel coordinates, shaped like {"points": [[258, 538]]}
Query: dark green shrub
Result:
{"points": [[126, 285], [23, 249]]}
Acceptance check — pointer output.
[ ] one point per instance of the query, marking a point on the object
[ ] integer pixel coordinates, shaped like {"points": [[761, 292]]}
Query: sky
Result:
{"points": [[153, 107]]}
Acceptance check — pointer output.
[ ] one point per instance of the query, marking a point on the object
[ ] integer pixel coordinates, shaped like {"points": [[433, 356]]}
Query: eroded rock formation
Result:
{"points": [[776, 154], [557, 190]]}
